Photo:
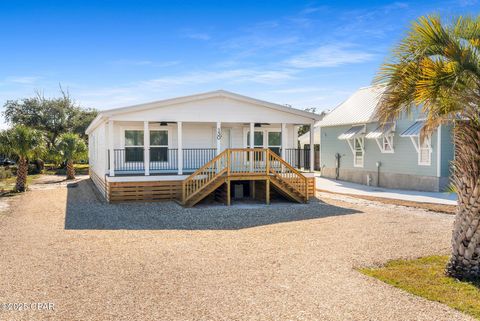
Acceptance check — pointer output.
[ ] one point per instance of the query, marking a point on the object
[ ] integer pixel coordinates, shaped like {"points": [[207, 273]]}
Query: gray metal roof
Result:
{"points": [[357, 109], [353, 132], [414, 130], [381, 131]]}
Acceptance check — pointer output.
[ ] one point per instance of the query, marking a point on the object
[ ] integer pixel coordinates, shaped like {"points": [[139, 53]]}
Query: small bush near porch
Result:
{"points": [[426, 277]]}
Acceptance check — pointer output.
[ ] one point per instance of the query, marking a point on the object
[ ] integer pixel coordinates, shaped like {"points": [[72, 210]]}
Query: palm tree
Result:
{"points": [[24, 143], [437, 66], [72, 148]]}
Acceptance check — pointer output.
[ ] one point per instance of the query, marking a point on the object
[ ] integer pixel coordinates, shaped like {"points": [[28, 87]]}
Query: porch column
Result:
{"points": [[110, 149], [284, 140], [312, 147], [218, 137], [146, 148], [252, 136], [252, 144], [179, 148]]}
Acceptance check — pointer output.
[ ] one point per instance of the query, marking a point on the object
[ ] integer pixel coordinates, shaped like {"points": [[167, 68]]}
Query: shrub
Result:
{"points": [[5, 173], [33, 169]]}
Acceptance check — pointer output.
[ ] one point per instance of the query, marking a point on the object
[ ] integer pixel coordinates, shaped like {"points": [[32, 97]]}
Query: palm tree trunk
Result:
{"points": [[465, 260], [70, 170], [22, 172]]}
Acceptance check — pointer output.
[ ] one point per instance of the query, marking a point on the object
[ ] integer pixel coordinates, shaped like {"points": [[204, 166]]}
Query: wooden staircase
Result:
{"points": [[245, 164]]}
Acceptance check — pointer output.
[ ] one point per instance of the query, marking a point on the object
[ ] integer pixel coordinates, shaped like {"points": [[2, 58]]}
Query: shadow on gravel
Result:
{"points": [[86, 210]]}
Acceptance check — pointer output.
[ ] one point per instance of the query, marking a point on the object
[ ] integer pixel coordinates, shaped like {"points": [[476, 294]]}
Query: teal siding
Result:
{"points": [[403, 161], [447, 151]]}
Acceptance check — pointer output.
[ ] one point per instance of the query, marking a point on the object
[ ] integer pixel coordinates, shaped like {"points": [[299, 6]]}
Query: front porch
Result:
{"points": [[165, 162], [261, 171], [178, 148]]}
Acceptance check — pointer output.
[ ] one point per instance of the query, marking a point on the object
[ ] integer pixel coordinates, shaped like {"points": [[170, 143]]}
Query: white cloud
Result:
{"points": [[331, 55], [299, 90], [234, 75], [173, 85], [24, 80]]}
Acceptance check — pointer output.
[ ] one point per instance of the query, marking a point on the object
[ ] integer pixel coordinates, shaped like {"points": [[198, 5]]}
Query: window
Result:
{"points": [[134, 146], [424, 151], [358, 152], [257, 139], [387, 144], [275, 142], [159, 146]]}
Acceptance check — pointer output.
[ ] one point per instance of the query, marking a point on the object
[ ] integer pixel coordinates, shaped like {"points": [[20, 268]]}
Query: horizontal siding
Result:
{"points": [[100, 183], [448, 150], [145, 191], [403, 161]]}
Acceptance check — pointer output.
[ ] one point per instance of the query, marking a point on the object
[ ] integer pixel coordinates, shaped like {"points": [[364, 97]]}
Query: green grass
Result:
{"points": [[80, 169], [425, 277], [7, 185]]}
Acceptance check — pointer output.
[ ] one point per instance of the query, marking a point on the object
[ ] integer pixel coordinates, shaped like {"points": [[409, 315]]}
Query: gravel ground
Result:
{"points": [[158, 261]]}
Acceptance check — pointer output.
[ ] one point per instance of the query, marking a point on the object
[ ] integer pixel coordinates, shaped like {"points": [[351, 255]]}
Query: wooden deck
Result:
{"points": [[214, 180]]}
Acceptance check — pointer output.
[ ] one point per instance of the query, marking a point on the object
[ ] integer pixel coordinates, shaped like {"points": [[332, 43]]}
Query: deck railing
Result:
{"points": [[130, 160], [194, 158], [163, 159]]}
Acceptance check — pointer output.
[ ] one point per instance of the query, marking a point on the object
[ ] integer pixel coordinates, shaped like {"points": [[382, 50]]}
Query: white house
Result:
{"points": [[159, 150]]}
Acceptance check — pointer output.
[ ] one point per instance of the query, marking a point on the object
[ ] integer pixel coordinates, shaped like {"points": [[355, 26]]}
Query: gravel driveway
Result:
{"points": [[158, 261]]}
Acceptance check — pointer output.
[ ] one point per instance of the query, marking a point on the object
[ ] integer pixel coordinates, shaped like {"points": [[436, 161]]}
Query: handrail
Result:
{"points": [[204, 176], [244, 161], [289, 174]]}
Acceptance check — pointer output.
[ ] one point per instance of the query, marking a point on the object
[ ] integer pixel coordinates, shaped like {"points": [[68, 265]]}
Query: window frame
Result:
{"points": [[388, 139], [167, 146], [274, 146], [125, 146], [264, 132], [361, 144], [428, 143]]}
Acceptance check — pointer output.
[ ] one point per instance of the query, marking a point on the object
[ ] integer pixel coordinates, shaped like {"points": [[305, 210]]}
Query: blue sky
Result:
{"points": [[117, 53]]}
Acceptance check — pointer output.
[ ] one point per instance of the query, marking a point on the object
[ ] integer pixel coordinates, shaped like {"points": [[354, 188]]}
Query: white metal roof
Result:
{"points": [[380, 131], [359, 108], [353, 132], [104, 114]]}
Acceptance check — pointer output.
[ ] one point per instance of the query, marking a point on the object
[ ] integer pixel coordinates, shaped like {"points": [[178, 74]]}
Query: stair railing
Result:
{"points": [[244, 161], [287, 173], [204, 175]]}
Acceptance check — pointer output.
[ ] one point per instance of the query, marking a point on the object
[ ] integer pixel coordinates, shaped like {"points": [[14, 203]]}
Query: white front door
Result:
{"points": [[225, 143]]}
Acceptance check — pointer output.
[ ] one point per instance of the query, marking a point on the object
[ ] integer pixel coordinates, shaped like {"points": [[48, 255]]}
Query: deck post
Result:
{"points": [[146, 148], [267, 191], [284, 140], [228, 192], [179, 148], [110, 148], [312, 147]]}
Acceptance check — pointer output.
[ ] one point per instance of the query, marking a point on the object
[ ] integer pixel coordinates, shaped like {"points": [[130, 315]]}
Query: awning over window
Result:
{"points": [[353, 132], [414, 130], [381, 131]]}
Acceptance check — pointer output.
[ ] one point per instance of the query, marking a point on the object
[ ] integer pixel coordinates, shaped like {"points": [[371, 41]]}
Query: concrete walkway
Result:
{"points": [[331, 185]]}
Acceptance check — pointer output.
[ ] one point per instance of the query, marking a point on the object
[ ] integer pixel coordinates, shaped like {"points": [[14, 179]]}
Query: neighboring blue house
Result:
{"points": [[354, 147]]}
